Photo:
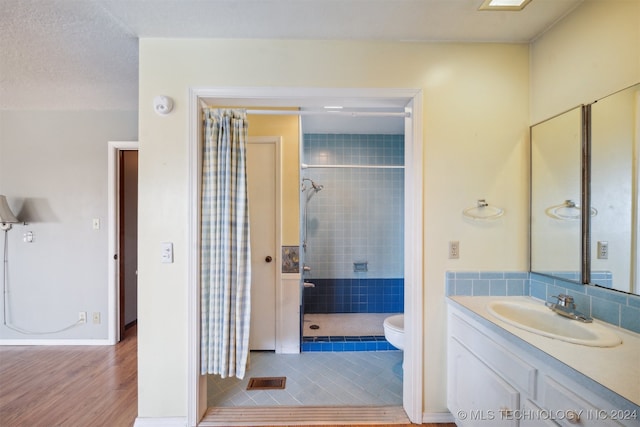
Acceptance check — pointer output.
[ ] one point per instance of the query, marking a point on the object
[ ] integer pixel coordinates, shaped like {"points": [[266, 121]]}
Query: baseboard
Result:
{"points": [[54, 342], [161, 422], [437, 417]]}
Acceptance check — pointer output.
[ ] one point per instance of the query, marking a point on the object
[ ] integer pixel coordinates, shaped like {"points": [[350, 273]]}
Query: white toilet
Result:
{"points": [[394, 330]]}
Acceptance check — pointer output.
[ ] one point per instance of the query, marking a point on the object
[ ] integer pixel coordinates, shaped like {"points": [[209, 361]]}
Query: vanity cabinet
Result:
{"points": [[494, 381]]}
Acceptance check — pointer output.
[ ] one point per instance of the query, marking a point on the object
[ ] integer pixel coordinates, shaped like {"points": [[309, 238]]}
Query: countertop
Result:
{"points": [[617, 368]]}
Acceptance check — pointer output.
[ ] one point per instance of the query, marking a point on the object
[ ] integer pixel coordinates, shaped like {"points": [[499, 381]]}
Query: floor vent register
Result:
{"points": [[266, 383]]}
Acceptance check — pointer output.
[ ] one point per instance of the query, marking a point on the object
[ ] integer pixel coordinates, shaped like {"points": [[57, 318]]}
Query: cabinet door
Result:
{"points": [[477, 396], [532, 416]]}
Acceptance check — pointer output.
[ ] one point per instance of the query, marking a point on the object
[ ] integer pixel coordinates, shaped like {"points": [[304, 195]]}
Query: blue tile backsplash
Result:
{"points": [[613, 307]]}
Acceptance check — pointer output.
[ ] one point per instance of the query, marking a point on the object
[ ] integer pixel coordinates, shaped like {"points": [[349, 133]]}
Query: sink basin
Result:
{"points": [[538, 319]]}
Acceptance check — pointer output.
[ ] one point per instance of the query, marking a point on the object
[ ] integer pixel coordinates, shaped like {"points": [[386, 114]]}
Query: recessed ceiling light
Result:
{"points": [[514, 5]]}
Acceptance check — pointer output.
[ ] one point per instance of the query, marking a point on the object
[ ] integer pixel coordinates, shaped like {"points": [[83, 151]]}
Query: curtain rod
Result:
{"points": [[332, 112], [306, 166]]}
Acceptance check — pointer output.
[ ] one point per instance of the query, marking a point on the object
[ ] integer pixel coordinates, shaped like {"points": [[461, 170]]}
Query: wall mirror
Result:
{"points": [[615, 128], [556, 153], [588, 156]]}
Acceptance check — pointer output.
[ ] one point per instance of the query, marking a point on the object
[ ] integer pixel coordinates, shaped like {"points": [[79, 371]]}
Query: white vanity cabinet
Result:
{"points": [[474, 388], [493, 380]]}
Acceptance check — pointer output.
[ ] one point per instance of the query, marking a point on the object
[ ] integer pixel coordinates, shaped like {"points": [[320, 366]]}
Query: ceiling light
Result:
{"points": [[513, 5], [333, 107]]}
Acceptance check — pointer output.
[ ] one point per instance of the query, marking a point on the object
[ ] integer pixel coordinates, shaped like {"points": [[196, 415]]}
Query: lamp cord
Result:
{"points": [[5, 279]]}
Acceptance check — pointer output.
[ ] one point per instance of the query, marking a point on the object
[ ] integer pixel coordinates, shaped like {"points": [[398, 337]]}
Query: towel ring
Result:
{"points": [[567, 211], [483, 211]]}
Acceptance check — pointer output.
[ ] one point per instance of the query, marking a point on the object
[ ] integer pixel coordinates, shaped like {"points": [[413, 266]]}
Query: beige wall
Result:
{"points": [[475, 126], [593, 52], [288, 128], [476, 119]]}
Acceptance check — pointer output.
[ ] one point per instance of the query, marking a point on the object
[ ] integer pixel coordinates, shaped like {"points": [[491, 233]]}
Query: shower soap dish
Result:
{"points": [[360, 266], [482, 211]]}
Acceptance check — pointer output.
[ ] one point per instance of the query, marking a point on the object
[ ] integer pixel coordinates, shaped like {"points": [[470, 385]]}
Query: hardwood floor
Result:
{"points": [[69, 386], [75, 386]]}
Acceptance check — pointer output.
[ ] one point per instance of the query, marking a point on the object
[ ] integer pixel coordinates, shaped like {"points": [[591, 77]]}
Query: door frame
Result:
{"points": [[113, 227], [279, 291], [413, 376]]}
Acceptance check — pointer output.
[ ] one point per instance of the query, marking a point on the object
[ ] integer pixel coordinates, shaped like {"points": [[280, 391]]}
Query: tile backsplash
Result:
{"points": [[613, 307]]}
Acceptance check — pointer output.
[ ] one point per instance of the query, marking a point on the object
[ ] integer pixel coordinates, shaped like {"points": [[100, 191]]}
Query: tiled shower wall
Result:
{"points": [[358, 217]]}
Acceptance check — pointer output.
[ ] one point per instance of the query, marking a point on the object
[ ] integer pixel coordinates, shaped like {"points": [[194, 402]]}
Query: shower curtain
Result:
{"points": [[225, 253]]}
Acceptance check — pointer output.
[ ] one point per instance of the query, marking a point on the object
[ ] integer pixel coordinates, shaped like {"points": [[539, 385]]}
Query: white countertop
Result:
{"points": [[617, 368]]}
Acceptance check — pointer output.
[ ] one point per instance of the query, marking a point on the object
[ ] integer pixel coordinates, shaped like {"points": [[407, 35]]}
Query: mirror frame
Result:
{"points": [[585, 194], [585, 224]]}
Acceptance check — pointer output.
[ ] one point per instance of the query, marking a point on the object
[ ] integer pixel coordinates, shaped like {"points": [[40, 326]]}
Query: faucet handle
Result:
{"points": [[565, 300]]}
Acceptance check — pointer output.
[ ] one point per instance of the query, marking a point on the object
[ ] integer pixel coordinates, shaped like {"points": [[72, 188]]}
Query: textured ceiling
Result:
{"points": [[79, 54]]}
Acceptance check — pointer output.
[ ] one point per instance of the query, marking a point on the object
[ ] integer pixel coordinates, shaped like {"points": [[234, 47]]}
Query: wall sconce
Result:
{"points": [[7, 218], [162, 104]]}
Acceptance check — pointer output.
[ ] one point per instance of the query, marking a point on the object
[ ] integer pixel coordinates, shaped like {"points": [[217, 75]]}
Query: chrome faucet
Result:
{"points": [[566, 307]]}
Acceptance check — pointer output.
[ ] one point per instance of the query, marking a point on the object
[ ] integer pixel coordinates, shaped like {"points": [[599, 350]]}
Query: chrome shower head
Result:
{"points": [[316, 187]]}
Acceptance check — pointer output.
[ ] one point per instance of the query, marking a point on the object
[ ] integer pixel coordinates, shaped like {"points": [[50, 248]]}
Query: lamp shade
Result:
{"points": [[6, 216]]}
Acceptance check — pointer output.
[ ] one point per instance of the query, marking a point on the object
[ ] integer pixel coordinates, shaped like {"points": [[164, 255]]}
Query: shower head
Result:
{"points": [[316, 187]]}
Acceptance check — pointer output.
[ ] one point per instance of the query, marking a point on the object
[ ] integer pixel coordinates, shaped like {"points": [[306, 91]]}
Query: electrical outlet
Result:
{"points": [[454, 249], [96, 317], [603, 250], [167, 252], [82, 317]]}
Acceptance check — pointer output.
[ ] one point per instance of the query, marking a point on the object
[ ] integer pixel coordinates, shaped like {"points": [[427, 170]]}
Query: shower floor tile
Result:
{"points": [[315, 379], [344, 324]]}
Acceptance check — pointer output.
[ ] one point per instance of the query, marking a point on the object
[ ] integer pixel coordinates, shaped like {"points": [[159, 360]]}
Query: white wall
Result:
{"points": [[53, 170], [475, 135]]}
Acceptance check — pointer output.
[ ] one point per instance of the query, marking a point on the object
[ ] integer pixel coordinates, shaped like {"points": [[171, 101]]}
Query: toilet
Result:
{"points": [[394, 330]]}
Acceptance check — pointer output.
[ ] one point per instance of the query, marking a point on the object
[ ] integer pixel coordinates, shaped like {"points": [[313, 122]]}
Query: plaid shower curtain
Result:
{"points": [[225, 251]]}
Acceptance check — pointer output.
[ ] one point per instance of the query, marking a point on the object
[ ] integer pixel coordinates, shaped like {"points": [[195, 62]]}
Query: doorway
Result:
{"points": [[122, 203], [411, 100], [128, 238]]}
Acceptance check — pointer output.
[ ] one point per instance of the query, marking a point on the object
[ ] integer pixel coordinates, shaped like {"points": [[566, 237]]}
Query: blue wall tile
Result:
{"points": [[463, 287], [491, 275], [538, 290], [515, 287], [607, 311], [618, 308], [481, 287], [359, 214], [355, 296], [498, 287], [617, 297], [630, 318]]}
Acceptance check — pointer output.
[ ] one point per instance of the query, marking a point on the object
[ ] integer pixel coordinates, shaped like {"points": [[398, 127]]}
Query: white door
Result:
{"points": [[262, 166]]}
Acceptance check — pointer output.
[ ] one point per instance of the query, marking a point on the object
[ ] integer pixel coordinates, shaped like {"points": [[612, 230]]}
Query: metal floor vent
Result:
{"points": [[266, 383]]}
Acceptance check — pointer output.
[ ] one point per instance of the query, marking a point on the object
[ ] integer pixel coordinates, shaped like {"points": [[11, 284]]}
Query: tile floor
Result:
{"points": [[316, 379]]}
